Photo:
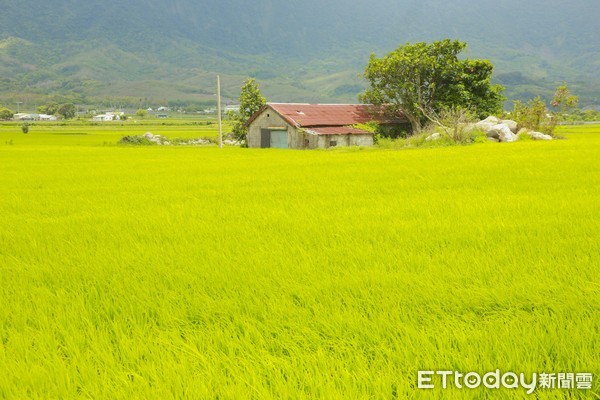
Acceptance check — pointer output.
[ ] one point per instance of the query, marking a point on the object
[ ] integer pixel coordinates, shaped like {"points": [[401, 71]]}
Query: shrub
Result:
{"points": [[523, 136], [136, 140], [534, 115], [454, 126], [25, 128], [479, 136]]}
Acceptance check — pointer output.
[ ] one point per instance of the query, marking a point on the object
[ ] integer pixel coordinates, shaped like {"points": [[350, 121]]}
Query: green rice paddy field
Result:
{"points": [[198, 273]]}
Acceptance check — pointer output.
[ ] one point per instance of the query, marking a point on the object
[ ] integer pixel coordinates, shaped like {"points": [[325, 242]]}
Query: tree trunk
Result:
{"points": [[415, 123]]}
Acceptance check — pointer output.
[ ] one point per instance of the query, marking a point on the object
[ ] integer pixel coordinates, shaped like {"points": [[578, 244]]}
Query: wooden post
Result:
{"points": [[219, 111]]}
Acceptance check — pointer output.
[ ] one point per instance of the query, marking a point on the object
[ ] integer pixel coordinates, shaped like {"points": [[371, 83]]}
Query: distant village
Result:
{"points": [[34, 117], [108, 116]]}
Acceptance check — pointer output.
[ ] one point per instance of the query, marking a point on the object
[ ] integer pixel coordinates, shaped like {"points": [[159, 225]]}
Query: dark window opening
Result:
{"points": [[332, 143]]}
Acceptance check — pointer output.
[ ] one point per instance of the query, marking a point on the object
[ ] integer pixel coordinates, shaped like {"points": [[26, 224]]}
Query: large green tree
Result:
{"points": [[563, 101], [6, 114], [50, 108], [421, 80], [67, 110], [251, 100]]}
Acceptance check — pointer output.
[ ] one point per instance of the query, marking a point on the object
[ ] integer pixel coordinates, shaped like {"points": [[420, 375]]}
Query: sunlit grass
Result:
{"points": [[105, 133], [156, 272]]}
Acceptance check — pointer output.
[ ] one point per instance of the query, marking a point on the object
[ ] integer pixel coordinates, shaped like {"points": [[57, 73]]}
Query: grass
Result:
{"points": [[104, 133], [150, 272]]}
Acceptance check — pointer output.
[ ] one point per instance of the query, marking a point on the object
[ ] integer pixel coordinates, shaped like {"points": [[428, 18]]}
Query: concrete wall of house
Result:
{"points": [[327, 141], [361, 140], [266, 120], [311, 141], [299, 139]]}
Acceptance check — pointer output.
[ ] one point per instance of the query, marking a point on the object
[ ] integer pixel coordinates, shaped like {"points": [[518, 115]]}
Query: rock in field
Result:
{"points": [[484, 126], [492, 120], [512, 125], [503, 133], [539, 136]]}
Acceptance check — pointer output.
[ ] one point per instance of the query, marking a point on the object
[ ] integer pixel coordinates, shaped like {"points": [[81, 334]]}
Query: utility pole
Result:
{"points": [[18, 104], [219, 111]]}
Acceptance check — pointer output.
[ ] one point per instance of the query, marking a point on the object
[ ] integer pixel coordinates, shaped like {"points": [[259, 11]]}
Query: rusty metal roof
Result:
{"points": [[336, 130], [306, 115]]}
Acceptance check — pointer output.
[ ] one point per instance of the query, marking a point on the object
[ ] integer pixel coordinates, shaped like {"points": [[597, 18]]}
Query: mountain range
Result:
{"points": [[304, 50]]}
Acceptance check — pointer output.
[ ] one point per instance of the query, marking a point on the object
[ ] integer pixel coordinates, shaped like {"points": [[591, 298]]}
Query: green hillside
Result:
{"points": [[299, 51]]}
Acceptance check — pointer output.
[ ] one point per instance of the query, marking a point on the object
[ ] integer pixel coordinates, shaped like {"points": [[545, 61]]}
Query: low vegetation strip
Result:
{"points": [[179, 272], [150, 139]]}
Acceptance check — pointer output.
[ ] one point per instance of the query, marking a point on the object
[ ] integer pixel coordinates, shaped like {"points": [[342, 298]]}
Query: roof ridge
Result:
{"points": [[320, 104]]}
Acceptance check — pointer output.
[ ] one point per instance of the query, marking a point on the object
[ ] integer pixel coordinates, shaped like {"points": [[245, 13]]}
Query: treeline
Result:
{"points": [[83, 103]]}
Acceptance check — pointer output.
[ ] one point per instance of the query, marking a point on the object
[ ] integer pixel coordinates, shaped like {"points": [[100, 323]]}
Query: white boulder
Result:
{"points": [[539, 136], [484, 125], [511, 124], [492, 120], [503, 133]]}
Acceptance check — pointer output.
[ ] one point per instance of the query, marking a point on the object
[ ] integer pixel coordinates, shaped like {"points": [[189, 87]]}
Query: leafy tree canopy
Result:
{"points": [[141, 113], [251, 100], [5, 114], [563, 100], [421, 80], [67, 110], [50, 108]]}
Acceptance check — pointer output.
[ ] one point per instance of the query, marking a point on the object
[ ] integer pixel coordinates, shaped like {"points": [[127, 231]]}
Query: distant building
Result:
{"points": [[312, 126], [231, 107], [26, 117], [46, 117], [103, 118], [109, 116]]}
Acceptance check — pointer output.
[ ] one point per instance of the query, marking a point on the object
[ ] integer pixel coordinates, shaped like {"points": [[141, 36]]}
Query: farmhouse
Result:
{"points": [[26, 117], [103, 117], [312, 126], [109, 116]]}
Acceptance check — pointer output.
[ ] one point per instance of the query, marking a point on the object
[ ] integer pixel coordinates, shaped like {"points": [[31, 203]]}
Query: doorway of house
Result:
{"points": [[279, 139]]}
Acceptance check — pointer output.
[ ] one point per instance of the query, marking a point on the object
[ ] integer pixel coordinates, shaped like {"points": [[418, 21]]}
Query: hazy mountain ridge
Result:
{"points": [[306, 50]]}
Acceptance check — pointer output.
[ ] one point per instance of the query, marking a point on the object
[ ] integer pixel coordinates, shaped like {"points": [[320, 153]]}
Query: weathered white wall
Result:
{"points": [[361, 140], [324, 141], [296, 138], [267, 119], [311, 141]]}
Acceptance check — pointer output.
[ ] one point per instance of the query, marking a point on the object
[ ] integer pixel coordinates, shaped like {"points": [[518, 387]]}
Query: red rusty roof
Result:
{"points": [[305, 115], [336, 130]]}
